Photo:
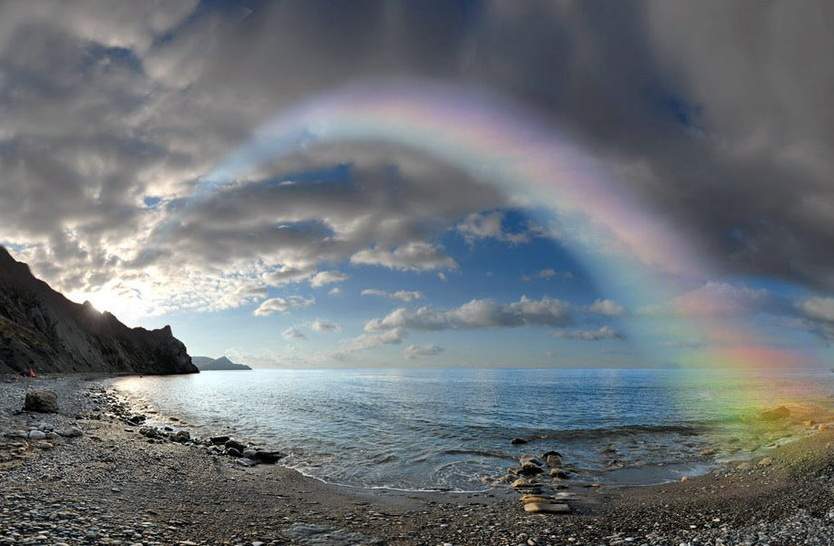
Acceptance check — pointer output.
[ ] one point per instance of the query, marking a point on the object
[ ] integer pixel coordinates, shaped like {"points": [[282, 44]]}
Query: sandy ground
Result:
{"points": [[111, 486]]}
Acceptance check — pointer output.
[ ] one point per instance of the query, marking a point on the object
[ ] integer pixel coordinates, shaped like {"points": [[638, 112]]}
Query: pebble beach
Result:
{"points": [[97, 473]]}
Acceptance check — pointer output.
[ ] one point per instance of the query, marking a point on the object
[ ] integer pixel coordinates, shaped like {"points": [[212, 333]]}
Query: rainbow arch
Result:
{"points": [[630, 250]]}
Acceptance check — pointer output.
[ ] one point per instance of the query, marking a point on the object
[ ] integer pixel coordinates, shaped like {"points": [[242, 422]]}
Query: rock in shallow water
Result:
{"points": [[546, 508], [41, 401]]}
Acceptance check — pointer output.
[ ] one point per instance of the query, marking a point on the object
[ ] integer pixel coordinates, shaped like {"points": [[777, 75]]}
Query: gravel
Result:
{"points": [[95, 479]]}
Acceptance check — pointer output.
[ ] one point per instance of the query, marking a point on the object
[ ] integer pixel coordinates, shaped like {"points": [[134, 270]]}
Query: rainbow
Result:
{"points": [[635, 254]]}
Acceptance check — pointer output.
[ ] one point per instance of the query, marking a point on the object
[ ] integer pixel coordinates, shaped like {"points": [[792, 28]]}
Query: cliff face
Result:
{"points": [[41, 329], [206, 363]]}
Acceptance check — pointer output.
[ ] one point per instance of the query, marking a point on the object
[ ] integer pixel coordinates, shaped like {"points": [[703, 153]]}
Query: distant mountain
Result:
{"points": [[42, 330], [206, 363]]}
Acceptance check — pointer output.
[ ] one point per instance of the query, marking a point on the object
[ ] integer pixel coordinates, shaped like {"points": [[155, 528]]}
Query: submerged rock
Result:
{"points": [[775, 414], [518, 441], [41, 401]]}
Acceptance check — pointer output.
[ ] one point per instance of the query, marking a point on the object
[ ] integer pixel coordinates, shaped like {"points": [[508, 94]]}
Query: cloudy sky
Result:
{"points": [[709, 126]]}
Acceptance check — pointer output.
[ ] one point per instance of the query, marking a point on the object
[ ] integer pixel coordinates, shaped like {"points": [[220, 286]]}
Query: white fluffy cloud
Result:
{"points": [[400, 295], [479, 313], [607, 307], [412, 256], [323, 278], [413, 352], [547, 274], [325, 326], [283, 305], [293, 333], [601, 333]]}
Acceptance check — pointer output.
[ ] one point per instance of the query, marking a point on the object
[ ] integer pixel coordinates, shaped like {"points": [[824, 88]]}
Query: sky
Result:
{"points": [[434, 183]]}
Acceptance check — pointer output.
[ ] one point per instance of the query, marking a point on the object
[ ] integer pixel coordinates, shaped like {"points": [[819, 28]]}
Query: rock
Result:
{"points": [[744, 466], [518, 441], [530, 459], [767, 461], [136, 419], [527, 499], [217, 440], [182, 436], [234, 444], [529, 469], [522, 483], [233, 452], [547, 508], [269, 457], [558, 473], [775, 414], [553, 458], [36, 435], [245, 461], [41, 401], [71, 432], [250, 453]]}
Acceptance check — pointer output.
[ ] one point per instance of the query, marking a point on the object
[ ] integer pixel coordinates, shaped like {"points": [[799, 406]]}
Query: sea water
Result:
{"points": [[451, 429]]}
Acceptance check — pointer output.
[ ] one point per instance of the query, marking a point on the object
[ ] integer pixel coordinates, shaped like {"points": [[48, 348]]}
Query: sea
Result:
{"points": [[452, 429]]}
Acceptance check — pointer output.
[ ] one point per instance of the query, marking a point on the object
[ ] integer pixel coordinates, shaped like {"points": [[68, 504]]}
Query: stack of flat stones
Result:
{"points": [[540, 484]]}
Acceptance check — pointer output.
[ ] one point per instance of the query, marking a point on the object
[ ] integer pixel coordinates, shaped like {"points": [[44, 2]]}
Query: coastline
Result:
{"points": [[112, 485]]}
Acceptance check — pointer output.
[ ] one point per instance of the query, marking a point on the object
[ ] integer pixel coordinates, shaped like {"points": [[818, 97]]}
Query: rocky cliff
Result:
{"points": [[206, 363], [43, 330]]}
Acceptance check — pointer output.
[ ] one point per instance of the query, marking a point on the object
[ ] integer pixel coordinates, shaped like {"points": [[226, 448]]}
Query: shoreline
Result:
{"points": [[146, 486]]}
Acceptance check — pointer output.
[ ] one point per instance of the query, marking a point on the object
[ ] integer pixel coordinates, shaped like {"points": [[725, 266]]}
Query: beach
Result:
{"points": [[111, 484]]}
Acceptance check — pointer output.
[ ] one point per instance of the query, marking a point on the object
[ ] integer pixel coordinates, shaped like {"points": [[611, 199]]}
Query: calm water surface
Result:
{"points": [[451, 428]]}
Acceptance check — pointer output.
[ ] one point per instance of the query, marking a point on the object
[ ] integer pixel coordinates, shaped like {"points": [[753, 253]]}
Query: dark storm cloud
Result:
{"points": [[718, 115]]}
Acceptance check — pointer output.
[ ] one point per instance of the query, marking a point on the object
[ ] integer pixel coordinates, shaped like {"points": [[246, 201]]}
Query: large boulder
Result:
{"points": [[41, 401]]}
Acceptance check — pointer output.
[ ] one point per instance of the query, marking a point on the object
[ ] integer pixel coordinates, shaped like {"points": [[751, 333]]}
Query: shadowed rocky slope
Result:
{"points": [[41, 329]]}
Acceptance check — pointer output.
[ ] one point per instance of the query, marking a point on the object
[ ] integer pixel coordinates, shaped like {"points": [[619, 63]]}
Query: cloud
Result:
{"points": [[716, 299], [818, 314], [293, 333], [117, 93], [283, 305], [413, 256], [367, 340], [325, 326], [606, 307], [547, 274], [478, 313], [335, 291], [490, 225], [323, 278], [401, 295], [413, 352], [602, 333]]}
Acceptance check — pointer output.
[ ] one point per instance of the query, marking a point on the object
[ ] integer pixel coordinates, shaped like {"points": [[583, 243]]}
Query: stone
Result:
{"points": [[523, 483], [41, 401], [558, 473], [530, 469], [547, 508], [245, 461], [36, 435], [234, 444], [744, 466], [71, 432], [182, 436], [775, 414], [233, 452], [269, 457], [137, 419], [530, 459], [767, 461], [217, 440], [527, 499], [518, 441], [553, 458]]}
